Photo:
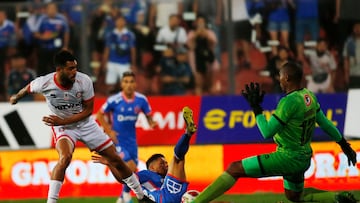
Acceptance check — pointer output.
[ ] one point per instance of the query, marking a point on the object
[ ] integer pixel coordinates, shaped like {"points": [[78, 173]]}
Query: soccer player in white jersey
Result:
{"points": [[70, 97]]}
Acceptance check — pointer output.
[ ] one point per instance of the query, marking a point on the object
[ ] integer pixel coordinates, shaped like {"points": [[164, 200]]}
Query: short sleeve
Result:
{"points": [[88, 89], [107, 106], [36, 86]]}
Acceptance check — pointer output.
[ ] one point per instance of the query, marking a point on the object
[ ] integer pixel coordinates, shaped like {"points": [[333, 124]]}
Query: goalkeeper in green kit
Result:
{"points": [[291, 126]]}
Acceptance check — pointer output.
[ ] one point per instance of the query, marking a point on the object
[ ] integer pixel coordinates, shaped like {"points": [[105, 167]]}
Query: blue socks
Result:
{"points": [[182, 146]]}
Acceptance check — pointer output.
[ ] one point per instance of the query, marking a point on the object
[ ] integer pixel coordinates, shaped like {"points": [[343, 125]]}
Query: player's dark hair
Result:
{"points": [[62, 57], [153, 158], [128, 73], [294, 71]]}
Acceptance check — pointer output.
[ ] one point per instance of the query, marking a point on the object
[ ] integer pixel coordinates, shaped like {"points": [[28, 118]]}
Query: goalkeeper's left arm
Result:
{"points": [[268, 128], [327, 126]]}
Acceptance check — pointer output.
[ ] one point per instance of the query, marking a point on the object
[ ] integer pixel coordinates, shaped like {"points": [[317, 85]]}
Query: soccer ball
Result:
{"points": [[189, 196]]}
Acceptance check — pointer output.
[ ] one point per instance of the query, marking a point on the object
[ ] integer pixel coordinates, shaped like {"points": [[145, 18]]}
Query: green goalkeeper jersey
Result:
{"points": [[293, 122], [298, 111]]}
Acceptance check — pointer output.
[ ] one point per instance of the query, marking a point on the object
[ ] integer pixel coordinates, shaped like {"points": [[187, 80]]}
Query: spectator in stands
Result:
{"points": [[36, 10], [20, 75], [202, 42], [323, 66], [346, 15], [130, 9], [120, 54], [351, 57], [274, 65], [52, 35], [278, 25], [173, 35], [306, 24], [213, 12], [242, 30], [175, 72], [161, 10], [7, 46]]}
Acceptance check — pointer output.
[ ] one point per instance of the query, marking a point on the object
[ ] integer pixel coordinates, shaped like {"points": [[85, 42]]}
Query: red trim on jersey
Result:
{"points": [[92, 98], [59, 85], [183, 181], [126, 99], [28, 88], [102, 145]]}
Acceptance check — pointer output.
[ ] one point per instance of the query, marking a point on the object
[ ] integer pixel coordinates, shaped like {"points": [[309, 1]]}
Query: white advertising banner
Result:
{"points": [[21, 126], [352, 116]]}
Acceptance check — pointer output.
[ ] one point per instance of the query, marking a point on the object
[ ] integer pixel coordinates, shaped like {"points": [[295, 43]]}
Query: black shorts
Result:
{"points": [[242, 30]]}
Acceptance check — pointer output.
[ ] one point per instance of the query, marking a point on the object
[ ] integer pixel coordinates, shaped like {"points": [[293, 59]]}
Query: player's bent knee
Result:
{"points": [[236, 169], [65, 159]]}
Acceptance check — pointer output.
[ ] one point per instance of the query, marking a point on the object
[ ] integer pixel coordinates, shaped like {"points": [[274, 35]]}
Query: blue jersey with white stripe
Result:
{"points": [[124, 116], [120, 44]]}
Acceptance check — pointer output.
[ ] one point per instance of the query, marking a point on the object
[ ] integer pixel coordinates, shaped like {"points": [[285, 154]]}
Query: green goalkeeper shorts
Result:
{"points": [[289, 164]]}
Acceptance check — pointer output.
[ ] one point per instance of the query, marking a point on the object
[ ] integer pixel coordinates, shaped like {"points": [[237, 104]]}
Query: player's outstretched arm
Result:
{"points": [[327, 126], [22, 93]]}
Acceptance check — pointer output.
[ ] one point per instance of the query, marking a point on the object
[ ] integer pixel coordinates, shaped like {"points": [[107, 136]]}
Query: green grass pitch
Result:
{"points": [[248, 198]]}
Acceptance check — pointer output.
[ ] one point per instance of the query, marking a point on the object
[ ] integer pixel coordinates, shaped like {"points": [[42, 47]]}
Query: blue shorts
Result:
{"points": [[171, 191], [274, 26], [126, 154], [306, 26]]}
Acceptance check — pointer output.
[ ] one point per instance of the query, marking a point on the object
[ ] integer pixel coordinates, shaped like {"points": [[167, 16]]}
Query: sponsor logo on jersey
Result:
{"points": [[68, 106], [126, 118], [173, 187]]}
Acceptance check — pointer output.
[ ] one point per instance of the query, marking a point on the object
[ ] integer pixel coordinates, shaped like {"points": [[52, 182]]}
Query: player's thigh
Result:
{"points": [[60, 133], [271, 164]]}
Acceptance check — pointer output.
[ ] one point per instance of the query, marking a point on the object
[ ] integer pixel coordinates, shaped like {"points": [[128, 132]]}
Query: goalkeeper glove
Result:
{"points": [[254, 97], [348, 151]]}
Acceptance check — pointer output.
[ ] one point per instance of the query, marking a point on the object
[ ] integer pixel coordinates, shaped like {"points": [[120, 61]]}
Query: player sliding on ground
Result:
{"points": [[163, 184], [292, 127]]}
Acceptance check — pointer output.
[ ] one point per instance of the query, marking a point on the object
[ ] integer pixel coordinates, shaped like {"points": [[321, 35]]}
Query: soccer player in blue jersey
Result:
{"points": [[124, 108], [160, 182], [292, 127]]}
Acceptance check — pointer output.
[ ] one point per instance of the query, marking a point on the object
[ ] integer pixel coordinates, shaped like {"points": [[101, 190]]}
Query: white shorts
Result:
{"points": [[114, 71], [87, 131], [319, 87]]}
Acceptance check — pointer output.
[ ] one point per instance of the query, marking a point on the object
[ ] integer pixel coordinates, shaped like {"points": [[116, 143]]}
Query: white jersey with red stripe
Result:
{"points": [[64, 102]]}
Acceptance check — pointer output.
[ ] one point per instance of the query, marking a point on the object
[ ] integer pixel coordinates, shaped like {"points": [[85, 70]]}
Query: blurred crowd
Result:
{"points": [[178, 47]]}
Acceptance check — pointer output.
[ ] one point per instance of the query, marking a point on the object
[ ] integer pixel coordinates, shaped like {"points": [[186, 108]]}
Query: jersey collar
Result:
{"points": [[126, 99], [59, 85]]}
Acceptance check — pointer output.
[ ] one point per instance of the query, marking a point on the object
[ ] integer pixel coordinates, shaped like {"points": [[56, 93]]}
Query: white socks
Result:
{"points": [[133, 183], [126, 196], [54, 190]]}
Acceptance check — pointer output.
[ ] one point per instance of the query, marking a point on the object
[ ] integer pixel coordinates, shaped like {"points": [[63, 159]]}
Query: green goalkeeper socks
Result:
{"points": [[320, 197], [223, 183]]}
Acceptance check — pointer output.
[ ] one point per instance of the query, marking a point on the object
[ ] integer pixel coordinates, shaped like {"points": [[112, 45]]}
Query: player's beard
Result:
{"points": [[66, 80]]}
